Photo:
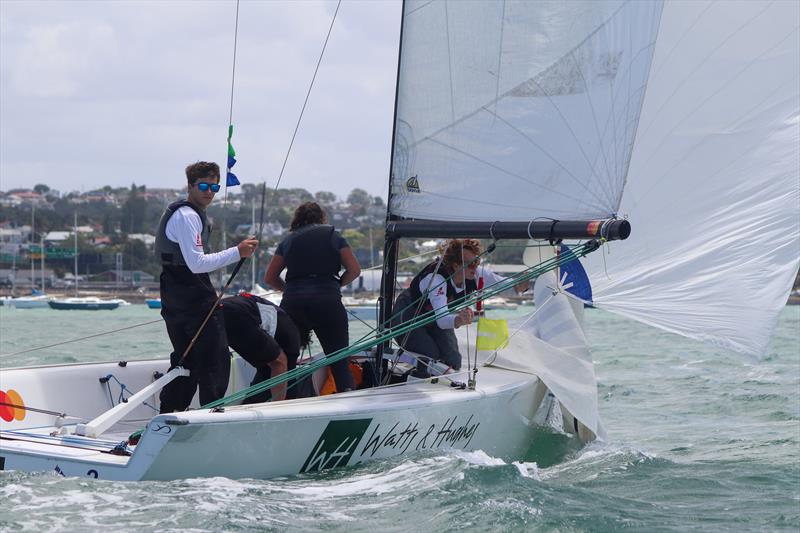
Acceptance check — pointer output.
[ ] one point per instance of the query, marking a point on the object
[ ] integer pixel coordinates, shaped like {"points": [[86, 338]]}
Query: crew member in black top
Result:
{"points": [[266, 337], [313, 254], [187, 294], [434, 288]]}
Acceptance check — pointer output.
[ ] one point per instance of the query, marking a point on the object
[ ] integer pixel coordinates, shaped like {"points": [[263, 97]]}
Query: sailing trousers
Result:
{"points": [[325, 315], [185, 301], [256, 346], [431, 340]]}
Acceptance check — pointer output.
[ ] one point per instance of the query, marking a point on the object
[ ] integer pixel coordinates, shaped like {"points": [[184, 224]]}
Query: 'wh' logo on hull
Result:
{"points": [[336, 444]]}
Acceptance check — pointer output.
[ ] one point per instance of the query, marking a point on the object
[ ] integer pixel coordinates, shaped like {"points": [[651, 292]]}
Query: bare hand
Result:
{"points": [[247, 247], [464, 317], [522, 286]]}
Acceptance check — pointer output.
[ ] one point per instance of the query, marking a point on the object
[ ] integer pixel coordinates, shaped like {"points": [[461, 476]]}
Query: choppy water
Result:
{"points": [[699, 439]]}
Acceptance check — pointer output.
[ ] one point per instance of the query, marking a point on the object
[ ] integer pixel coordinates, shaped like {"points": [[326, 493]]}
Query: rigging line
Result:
{"points": [[449, 62], [80, 338], [230, 117], [723, 86], [594, 115], [551, 157], [403, 260], [689, 75], [365, 343], [305, 102], [499, 58], [420, 304]]}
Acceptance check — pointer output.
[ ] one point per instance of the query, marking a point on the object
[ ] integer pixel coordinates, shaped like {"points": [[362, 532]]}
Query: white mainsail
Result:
{"points": [[517, 110]]}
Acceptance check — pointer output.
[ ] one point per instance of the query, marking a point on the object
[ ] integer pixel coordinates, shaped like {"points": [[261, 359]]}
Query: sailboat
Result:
{"points": [[657, 141], [37, 299], [82, 303]]}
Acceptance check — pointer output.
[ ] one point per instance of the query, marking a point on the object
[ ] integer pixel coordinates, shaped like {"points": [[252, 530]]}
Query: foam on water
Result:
{"points": [[698, 439]]}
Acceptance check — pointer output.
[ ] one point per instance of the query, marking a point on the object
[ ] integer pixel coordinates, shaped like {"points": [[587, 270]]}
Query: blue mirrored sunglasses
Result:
{"points": [[203, 187]]}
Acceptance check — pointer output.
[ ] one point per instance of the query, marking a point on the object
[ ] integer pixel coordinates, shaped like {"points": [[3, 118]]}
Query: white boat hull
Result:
{"points": [[264, 440]]}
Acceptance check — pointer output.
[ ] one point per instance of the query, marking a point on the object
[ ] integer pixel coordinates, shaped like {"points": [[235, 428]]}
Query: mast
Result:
{"points": [[75, 254], [252, 228], [390, 245], [30, 245], [41, 245]]}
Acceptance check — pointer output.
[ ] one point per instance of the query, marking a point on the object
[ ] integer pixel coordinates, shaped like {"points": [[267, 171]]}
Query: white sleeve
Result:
{"points": [[438, 298], [490, 278], [185, 228]]}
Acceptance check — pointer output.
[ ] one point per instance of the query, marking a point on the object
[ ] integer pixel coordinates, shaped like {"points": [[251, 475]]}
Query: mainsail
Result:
{"points": [[518, 110], [683, 117]]}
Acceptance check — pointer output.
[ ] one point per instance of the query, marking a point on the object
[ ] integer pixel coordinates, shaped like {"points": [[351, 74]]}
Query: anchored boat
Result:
{"points": [[514, 120]]}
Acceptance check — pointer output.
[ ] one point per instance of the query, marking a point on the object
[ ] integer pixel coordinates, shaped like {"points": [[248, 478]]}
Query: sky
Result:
{"points": [[119, 92]]}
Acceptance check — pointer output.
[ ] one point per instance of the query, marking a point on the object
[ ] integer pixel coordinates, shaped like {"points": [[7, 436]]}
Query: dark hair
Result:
{"points": [[453, 250], [201, 170], [308, 213]]}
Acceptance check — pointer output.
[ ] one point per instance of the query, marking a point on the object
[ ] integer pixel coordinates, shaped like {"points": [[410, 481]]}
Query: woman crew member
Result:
{"points": [[432, 290], [313, 254]]}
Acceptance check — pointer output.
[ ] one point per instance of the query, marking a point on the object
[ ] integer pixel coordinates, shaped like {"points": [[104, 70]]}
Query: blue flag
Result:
{"points": [[231, 161], [231, 180], [581, 286]]}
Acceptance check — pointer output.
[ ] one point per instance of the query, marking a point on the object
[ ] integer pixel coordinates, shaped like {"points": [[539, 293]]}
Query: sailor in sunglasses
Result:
{"points": [[187, 293]]}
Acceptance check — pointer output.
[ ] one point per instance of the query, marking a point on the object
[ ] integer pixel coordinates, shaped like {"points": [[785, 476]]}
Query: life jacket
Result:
{"points": [[311, 253], [434, 268], [183, 293], [169, 252]]}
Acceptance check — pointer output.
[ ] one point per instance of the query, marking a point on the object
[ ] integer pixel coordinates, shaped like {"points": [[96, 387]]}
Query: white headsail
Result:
{"points": [[713, 190]]}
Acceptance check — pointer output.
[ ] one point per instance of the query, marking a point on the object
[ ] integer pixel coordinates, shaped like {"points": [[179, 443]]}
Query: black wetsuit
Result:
{"points": [[186, 299], [312, 296], [247, 336]]}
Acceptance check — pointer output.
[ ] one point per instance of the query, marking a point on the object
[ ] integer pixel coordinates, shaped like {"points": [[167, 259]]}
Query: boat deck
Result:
{"points": [[46, 441]]}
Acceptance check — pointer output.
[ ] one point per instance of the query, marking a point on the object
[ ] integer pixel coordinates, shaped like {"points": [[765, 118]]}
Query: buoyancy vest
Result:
{"points": [[416, 288], [184, 294], [312, 257], [169, 252]]}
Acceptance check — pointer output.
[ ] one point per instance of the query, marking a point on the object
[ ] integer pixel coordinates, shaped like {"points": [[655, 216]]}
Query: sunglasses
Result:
{"points": [[203, 187]]}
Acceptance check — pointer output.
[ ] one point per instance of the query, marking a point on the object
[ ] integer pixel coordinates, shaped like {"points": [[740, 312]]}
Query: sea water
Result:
{"points": [[699, 439]]}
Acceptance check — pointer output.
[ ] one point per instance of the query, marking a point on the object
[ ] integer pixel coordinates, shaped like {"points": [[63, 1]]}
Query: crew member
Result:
{"points": [[187, 294], [266, 337], [313, 254], [435, 287]]}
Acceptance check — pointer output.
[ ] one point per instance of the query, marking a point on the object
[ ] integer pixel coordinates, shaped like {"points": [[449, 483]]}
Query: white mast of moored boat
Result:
{"points": [[75, 254], [30, 245]]}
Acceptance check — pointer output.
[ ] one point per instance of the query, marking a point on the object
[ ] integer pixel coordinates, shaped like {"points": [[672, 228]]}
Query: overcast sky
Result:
{"points": [[110, 93]]}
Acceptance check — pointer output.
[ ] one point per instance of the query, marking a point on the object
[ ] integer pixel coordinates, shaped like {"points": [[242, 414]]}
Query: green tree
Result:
{"points": [[359, 198], [41, 188]]}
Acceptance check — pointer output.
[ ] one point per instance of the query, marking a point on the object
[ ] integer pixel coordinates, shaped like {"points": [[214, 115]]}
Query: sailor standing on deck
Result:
{"points": [[187, 294]]}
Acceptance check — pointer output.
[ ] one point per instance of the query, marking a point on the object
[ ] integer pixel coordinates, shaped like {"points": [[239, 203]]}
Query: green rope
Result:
{"points": [[365, 342]]}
